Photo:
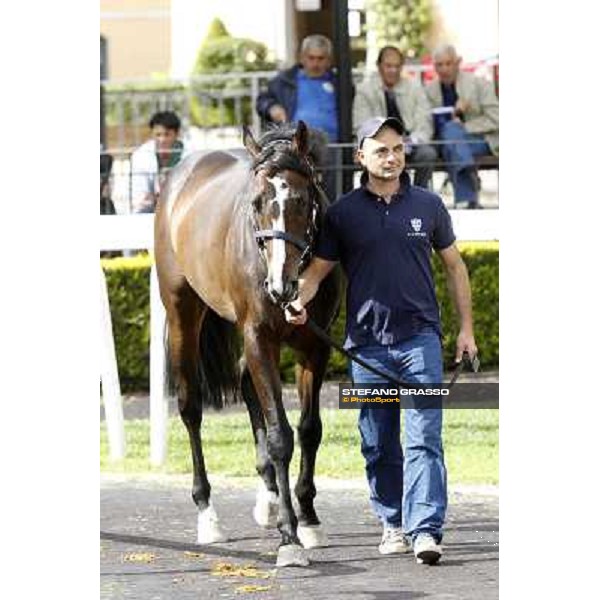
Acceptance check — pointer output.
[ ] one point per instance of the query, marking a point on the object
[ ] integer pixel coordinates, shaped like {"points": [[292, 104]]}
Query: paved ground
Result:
{"points": [[153, 520]]}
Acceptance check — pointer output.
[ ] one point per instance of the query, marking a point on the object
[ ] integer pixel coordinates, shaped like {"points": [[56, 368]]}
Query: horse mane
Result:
{"points": [[276, 151], [317, 140]]}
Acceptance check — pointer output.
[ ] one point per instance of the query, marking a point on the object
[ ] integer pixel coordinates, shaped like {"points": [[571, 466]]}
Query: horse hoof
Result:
{"points": [[312, 536], [266, 508], [292, 555], [209, 531]]}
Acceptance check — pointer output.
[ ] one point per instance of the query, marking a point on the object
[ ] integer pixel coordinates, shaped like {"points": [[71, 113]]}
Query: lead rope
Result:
{"points": [[320, 333]]}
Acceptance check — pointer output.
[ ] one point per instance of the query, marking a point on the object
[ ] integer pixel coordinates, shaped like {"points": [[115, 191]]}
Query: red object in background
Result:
{"points": [[497, 78], [428, 73]]}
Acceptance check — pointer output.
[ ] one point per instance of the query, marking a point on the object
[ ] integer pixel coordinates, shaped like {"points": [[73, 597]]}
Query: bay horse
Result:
{"points": [[232, 235]]}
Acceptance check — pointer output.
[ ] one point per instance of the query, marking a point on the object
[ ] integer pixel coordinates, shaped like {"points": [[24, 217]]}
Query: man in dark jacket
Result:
{"points": [[306, 92]]}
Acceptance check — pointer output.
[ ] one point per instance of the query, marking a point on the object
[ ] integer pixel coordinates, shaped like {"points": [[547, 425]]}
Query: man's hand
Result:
{"points": [[462, 106], [295, 313], [465, 343], [277, 114], [308, 285]]}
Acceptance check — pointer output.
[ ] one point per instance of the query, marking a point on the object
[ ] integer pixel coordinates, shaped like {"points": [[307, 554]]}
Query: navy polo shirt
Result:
{"points": [[385, 251]]}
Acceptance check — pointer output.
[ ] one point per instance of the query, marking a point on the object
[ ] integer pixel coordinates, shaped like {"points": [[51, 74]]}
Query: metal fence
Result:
{"points": [[212, 108], [341, 161], [207, 102]]}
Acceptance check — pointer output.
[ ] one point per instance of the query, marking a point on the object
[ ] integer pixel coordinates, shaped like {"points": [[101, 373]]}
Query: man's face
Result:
{"points": [[164, 138], [390, 68], [446, 66], [315, 62], [383, 155]]}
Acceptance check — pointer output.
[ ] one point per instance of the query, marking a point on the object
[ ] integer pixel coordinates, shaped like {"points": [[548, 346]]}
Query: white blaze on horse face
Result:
{"points": [[282, 192]]}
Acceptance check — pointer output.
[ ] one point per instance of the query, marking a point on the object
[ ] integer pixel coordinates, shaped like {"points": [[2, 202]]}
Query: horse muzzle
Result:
{"points": [[282, 295]]}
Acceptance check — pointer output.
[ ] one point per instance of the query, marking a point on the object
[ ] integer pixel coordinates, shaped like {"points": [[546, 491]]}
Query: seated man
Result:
{"points": [[107, 206], [388, 94], [152, 160], [472, 129], [306, 92]]}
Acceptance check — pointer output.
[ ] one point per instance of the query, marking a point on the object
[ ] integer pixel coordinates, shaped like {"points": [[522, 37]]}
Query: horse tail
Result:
{"points": [[218, 371], [220, 351]]}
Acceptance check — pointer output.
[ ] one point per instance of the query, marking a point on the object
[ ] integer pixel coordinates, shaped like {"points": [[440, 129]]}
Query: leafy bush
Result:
{"points": [[128, 283], [147, 96], [482, 261], [402, 23], [220, 53], [128, 288]]}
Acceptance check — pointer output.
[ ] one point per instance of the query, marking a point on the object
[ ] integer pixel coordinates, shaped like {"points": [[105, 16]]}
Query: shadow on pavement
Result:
{"points": [[227, 552]]}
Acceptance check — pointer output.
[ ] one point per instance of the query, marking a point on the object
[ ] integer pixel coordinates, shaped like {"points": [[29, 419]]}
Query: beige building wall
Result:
{"points": [[138, 34], [471, 25], [268, 21]]}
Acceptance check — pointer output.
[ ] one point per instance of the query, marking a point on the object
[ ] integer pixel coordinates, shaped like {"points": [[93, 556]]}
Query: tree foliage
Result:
{"points": [[402, 23], [216, 30], [213, 104], [222, 53]]}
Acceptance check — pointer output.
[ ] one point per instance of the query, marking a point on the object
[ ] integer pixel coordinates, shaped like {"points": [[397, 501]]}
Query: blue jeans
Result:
{"points": [[459, 154], [411, 490]]}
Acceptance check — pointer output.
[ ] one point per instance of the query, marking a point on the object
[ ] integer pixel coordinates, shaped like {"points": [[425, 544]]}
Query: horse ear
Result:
{"points": [[249, 142], [300, 139]]}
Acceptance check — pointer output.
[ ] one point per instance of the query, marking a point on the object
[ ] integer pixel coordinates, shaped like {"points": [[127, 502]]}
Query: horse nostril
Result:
{"points": [[291, 290]]}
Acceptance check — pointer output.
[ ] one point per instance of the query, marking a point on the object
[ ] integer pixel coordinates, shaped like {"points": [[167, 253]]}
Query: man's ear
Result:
{"points": [[249, 142], [359, 157]]}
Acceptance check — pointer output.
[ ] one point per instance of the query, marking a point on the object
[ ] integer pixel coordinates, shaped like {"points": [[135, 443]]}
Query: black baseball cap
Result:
{"points": [[372, 127]]}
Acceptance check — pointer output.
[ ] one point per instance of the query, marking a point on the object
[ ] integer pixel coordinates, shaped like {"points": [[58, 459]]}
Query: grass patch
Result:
{"points": [[470, 441]]}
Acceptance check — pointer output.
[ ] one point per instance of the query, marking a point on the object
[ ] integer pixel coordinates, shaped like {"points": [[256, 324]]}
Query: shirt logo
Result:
{"points": [[416, 224], [328, 87]]}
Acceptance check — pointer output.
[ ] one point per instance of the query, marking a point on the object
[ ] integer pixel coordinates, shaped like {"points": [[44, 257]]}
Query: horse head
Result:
{"points": [[284, 206]]}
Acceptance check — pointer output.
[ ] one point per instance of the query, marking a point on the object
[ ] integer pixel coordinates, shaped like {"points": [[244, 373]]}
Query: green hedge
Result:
{"points": [[128, 283], [128, 288], [482, 260]]}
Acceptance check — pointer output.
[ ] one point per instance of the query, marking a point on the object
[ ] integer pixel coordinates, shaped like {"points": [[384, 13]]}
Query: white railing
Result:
{"points": [[126, 232]]}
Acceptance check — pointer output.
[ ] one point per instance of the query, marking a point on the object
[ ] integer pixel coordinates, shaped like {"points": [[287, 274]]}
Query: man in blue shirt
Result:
{"points": [[306, 92], [383, 234]]}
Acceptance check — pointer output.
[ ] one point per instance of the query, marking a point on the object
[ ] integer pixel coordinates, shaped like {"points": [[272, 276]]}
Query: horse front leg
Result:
{"points": [[262, 357], [267, 502], [310, 371], [185, 317]]}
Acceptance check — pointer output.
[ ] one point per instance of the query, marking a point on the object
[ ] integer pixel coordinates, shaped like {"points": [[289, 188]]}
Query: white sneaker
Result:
{"points": [[427, 550], [393, 541]]}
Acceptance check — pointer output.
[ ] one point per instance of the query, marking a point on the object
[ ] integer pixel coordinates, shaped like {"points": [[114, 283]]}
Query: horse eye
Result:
{"points": [[257, 203]]}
